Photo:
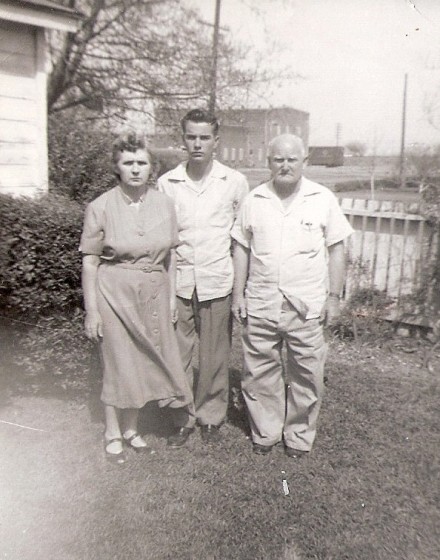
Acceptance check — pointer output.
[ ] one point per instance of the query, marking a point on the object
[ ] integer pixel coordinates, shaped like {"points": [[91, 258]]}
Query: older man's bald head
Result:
{"points": [[286, 141], [286, 162]]}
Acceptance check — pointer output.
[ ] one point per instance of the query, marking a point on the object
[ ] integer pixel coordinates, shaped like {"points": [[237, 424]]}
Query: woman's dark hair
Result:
{"points": [[129, 141]]}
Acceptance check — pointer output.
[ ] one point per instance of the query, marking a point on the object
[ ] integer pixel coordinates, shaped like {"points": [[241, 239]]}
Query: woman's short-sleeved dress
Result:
{"points": [[139, 351]]}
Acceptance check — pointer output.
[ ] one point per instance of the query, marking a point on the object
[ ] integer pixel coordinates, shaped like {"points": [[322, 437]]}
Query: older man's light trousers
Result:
{"points": [[283, 399]]}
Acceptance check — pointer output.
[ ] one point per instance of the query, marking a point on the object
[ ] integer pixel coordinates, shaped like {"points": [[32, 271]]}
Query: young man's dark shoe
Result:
{"points": [[179, 438], [210, 433]]}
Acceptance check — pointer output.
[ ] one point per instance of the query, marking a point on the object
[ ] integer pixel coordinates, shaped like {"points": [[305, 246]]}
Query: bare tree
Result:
{"points": [[431, 105], [431, 97], [423, 163], [356, 148], [130, 53]]}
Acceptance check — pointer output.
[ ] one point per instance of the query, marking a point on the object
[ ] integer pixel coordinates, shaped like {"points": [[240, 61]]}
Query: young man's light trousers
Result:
{"points": [[211, 320], [284, 406]]}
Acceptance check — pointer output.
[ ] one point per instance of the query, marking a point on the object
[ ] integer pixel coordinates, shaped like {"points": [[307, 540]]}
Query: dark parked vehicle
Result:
{"points": [[330, 156]]}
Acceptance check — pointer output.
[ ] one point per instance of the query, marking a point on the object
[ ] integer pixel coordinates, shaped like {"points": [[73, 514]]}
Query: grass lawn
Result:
{"points": [[368, 491]]}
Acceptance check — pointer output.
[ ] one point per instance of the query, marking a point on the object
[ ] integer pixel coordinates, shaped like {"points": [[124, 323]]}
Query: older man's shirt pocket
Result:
{"points": [[310, 236]]}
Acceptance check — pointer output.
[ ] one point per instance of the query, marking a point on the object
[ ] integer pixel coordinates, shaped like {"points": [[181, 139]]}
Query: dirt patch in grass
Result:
{"points": [[368, 491]]}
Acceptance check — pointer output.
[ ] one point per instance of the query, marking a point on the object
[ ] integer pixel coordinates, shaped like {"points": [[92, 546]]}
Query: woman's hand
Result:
{"points": [[93, 321], [170, 265], [93, 326]]}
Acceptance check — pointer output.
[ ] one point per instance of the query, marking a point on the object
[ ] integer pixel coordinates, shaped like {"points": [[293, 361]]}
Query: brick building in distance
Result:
{"points": [[244, 133]]}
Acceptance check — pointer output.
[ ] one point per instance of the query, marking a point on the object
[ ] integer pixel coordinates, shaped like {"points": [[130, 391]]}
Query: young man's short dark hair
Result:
{"points": [[200, 116]]}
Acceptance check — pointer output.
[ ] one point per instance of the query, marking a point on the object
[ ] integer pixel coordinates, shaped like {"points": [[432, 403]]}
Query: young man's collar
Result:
{"points": [[179, 173]]}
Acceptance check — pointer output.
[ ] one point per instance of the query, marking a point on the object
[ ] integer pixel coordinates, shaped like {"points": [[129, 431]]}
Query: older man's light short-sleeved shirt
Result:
{"points": [[288, 248], [205, 216]]}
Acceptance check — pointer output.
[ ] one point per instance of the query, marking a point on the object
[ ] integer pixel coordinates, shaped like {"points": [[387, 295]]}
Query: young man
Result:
{"points": [[289, 272], [207, 196]]}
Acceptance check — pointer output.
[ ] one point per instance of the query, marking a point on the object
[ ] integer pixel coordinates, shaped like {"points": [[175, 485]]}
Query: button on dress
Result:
{"points": [[140, 356]]}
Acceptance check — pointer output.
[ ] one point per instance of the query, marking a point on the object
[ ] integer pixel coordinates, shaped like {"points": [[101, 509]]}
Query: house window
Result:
{"points": [[287, 129], [260, 154], [298, 130], [240, 154], [232, 154], [225, 154]]}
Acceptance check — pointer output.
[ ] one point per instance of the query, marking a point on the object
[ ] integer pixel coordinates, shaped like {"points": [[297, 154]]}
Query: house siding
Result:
{"points": [[23, 114]]}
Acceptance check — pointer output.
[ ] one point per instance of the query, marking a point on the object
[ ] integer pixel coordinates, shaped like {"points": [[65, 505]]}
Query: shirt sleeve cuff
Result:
{"points": [[237, 236]]}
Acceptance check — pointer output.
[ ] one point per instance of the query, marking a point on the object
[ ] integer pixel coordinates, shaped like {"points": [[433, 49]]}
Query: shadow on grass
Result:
{"points": [[83, 384], [237, 415], [158, 422]]}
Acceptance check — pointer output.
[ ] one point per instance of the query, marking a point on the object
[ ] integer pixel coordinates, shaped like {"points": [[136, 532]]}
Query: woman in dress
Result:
{"points": [[128, 281]]}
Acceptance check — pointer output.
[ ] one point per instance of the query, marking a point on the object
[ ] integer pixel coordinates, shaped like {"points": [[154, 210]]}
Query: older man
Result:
{"points": [[207, 196], [289, 271]]}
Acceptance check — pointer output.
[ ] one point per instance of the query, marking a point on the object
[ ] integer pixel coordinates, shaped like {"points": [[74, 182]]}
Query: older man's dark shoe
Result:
{"points": [[295, 453], [180, 437], [210, 434], [259, 449]]}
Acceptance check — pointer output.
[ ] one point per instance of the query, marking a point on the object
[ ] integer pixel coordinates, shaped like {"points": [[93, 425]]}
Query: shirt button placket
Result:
{"points": [[156, 331]]}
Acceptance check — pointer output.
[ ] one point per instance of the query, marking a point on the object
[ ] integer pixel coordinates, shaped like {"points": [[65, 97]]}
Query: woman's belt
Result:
{"points": [[136, 266]]}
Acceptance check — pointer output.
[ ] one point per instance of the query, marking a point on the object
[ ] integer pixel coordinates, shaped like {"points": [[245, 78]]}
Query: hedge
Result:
{"points": [[40, 265]]}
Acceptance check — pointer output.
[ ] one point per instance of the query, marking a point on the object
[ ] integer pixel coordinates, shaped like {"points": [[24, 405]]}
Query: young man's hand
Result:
{"points": [[239, 310]]}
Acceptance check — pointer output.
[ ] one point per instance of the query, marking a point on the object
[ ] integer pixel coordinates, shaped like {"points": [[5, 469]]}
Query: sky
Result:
{"points": [[353, 56]]}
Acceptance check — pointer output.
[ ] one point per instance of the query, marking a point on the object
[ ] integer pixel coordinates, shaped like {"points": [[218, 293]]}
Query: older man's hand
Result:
{"points": [[332, 310]]}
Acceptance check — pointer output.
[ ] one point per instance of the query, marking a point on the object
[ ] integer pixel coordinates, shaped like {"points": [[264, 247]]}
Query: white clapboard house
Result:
{"points": [[23, 78]]}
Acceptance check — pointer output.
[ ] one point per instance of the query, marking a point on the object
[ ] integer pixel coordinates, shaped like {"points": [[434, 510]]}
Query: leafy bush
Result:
{"points": [[40, 264], [364, 317]]}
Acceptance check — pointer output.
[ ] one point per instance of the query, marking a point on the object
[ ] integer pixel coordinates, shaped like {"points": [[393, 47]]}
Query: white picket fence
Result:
{"points": [[390, 248]]}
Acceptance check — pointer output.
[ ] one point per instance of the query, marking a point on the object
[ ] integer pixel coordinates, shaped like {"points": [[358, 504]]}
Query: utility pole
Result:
{"points": [[213, 80], [338, 133], [373, 166], [402, 173]]}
